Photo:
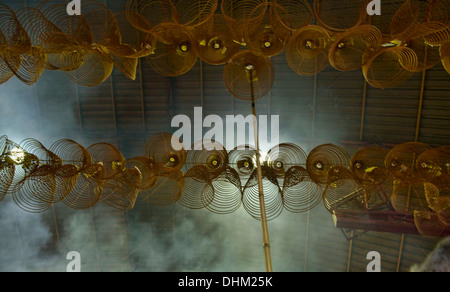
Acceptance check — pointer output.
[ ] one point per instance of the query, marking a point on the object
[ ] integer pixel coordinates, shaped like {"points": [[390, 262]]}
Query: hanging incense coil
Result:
{"points": [[347, 51], [289, 16], [383, 22], [249, 75], [72, 153], [307, 50], [445, 56], [368, 167], [119, 191], [401, 161], [227, 192], [429, 223], [284, 156], [145, 15], [175, 52], [87, 190], [66, 176], [35, 192], [148, 170], [193, 13], [272, 195], [427, 56], [342, 192], [109, 156], [300, 193], [166, 190], [378, 196], [242, 15], [322, 158], [198, 191], [213, 41], [405, 19], [167, 151], [339, 15], [412, 197], [390, 67], [243, 160], [434, 166], [3, 145], [44, 155], [7, 171], [213, 156]]}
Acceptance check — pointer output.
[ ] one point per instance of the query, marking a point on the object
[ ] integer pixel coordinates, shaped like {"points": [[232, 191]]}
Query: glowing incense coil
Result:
{"points": [[249, 75], [198, 191], [368, 166], [300, 193], [34, 194], [227, 192], [213, 156], [213, 41], [160, 147], [241, 15], [109, 156], [193, 13], [401, 161], [347, 51], [272, 195], [307, 50], [342, 192], [434, 166], [87, 190], [43, 154], [390, 67], [175, 52], [322, 158], [243, 160], [339, 15], [283, 156], [166, 190], [119, 191]]}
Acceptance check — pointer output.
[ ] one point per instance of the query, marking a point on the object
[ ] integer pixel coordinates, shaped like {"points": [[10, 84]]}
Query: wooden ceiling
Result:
{"points": [[330, 107]]}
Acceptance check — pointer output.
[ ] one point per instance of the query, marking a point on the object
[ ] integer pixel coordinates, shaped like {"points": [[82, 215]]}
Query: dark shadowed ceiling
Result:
{"points": [[329, 107]]}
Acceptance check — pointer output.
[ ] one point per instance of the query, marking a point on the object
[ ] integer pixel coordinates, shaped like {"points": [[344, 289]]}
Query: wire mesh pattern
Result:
{"points": [[412, 178], [171, 36]]}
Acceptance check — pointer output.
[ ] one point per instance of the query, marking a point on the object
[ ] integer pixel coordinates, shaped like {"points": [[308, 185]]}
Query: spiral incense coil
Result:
{"points": [[290, 16], [322, 158], [347, 51], [429, 224], [198, 191], [367, 165], [7, 171], [194, 13], [405, 19], [434, 33], [3, 144], [109, 156], [145, 15], [307, 50], [119, 191], [434, 166], [383, 22], [401, 161], [175, 52], [148, 170], [44, 155], [242, 15], [227, 192], [339, 15], [66, 176], [35, 193], [167, 152], [445, 56], [342, 192], [412, 197], [243, 160], [427, 56], [283, 156], [13, 32], [249, 75], [213, 41], [72, 153], [272, 195], [213, 156], [390, 67], [300, 194], [166, 190], [87, 190], [378, 196]]}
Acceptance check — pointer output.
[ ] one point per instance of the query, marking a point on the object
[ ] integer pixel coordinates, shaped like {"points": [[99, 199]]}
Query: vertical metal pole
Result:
{"points": [[265, 228]]}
